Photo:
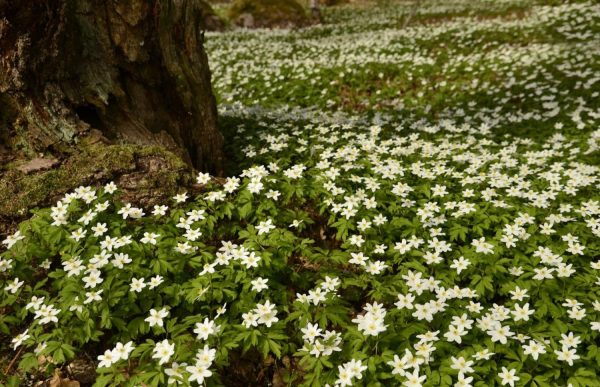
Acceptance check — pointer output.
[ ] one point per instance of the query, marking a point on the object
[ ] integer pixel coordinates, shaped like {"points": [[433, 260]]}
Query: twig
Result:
{"points": [[12, 362]]}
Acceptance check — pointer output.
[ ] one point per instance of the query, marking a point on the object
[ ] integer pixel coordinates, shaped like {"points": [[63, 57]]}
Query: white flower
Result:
{"points": [[255, 185], [99, 260], [86, 219], [215, 196], [208, 268], [155, 281], [317, 295], [380, 249], [156, 317], [358, 259], [93, 279], [484, 354], [231, 184], [273, 194], [198, 372], [428, 336], [455, 334], [379, 220], [120, 260], [356, 368], [474, 307], [508, 377], [250, 319], [192, 234], [534, 349], [303, 298], [464, 381], [14, 286], [356, 240], [267, 314], [522, 313], [150, 237], [462, 365], [570, 340], [344, 377], [78, 234], [99, 229], [516, 271], [180, 198], [405, 301], [399, 365], [250, 260], [35, 303], [110, 187], [20, 338], [163, 351], [259, 284], [221, 310], [185, 248], [500, 333], [137, 284], [413, 379], [372, 322], [205, 329], [40, 348], [330, 283], [93, 296], [12, 239], [122, 351], [175, 373], [101, 207], [265, 226], [76, 306], [310, 332], [482, 247], [129, 211], [5, 264], [296, 223], [375, 267], [160, 211], [203, 178], [460, 264], [107, 359], [518, 294], [542, 273], [206, 355]]}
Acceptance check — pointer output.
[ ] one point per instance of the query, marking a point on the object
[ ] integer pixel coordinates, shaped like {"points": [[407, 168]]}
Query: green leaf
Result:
{"points": [[275, 348], [28, 362]]}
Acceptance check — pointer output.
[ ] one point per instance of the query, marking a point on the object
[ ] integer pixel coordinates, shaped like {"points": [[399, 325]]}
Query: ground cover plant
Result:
{"points": [[413, 201]]}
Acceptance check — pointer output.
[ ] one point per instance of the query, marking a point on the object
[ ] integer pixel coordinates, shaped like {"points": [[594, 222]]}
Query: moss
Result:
{"points": [[269, 13], [147, 172]]}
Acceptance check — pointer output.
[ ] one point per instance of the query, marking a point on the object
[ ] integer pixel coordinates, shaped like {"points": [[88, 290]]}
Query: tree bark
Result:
{"points": [[134, 69]]}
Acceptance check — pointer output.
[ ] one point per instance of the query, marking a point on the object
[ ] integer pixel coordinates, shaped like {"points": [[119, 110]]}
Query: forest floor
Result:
{"points": [[412, 200]]}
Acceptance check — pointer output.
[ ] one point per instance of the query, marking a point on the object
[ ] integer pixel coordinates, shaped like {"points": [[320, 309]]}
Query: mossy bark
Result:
{"points": [[145, 175], [268, 13], [134, 69]]}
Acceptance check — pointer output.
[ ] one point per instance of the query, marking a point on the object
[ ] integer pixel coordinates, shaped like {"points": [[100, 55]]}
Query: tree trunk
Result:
{"points": [[134, 69]]}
